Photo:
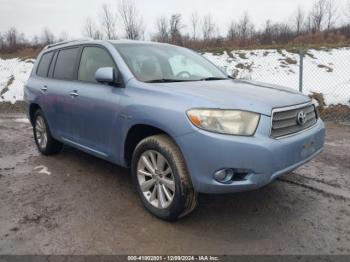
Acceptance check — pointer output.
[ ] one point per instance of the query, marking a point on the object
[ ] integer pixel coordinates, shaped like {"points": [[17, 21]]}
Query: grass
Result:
{"points": [[23, 54], [244, 66], [280, 52], [310, 55], [242, 55], [328, 69], [6, 88], [292, 48], [288, 61], [241, 66]]}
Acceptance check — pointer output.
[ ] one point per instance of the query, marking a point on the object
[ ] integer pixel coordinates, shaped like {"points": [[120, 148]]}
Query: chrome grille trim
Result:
{"points": [[288, 122]]}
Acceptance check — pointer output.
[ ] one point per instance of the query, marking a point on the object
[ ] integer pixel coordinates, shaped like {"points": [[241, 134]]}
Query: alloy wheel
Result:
{"points": [[156, 179], [41, 132]]}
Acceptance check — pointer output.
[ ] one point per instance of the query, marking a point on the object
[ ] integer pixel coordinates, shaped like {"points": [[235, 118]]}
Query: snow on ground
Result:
{"points": [[325, 71], [13, 75]]}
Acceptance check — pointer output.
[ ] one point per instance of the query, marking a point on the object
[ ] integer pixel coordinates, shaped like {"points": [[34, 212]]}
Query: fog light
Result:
{"points": [[224, 175]]}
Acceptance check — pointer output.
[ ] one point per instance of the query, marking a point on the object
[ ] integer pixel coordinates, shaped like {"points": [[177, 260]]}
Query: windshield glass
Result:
{"points": [[167, 63]]}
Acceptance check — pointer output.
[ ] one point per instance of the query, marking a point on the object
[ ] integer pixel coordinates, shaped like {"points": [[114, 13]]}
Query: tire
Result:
{"points": [[44, 141], [179, 198]]}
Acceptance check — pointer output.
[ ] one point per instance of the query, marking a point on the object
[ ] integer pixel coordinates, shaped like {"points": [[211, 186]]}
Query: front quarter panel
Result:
{"points": [[148, 105]]}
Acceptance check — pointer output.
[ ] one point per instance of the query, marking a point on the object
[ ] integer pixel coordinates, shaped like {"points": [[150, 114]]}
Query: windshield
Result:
{"points": [[167, 63]]}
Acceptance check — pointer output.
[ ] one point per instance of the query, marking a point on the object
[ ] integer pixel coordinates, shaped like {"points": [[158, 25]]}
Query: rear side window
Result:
{"points": [[44, 64], [92, 59], [65, 64]]}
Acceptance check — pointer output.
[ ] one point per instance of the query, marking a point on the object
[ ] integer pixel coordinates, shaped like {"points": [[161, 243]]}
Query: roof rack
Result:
{"points": [[67, 42]]}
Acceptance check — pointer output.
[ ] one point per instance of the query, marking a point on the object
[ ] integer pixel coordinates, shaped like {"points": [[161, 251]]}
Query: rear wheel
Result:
{"points": [[46, 144], [161, 178]]}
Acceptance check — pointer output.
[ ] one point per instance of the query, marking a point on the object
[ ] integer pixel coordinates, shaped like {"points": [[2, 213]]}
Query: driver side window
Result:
{"points": [[92, 59]]}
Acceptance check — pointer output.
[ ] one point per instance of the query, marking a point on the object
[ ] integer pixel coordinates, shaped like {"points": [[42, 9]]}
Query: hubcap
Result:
{"points": [[40, 132], [156, 179]]}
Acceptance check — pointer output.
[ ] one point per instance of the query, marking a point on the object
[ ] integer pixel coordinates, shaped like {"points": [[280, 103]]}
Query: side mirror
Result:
{"points": [[106, 75]]}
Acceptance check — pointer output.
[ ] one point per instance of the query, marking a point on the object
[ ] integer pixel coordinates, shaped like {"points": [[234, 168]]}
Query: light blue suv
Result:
{"points": [[181, 124]]}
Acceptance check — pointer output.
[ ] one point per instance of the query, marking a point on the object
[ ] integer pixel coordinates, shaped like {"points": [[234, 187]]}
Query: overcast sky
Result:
{"points": [[31, 16]]}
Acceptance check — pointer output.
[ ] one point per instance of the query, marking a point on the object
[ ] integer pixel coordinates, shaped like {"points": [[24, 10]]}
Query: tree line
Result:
{"points": [[324, 23]]}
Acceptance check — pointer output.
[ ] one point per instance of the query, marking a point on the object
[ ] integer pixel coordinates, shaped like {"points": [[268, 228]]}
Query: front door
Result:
{"points": [[96, 105]]}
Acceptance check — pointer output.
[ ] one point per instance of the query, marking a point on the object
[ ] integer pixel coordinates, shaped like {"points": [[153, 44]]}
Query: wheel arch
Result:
{"points": [[137, 133], [33, 107]]}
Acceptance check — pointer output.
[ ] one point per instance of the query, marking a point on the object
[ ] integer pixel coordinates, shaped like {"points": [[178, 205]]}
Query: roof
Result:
{"points": [[89, 40]]}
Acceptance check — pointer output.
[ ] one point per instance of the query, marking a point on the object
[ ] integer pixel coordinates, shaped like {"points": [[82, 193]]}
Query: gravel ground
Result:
{"points": [[74, 203]]}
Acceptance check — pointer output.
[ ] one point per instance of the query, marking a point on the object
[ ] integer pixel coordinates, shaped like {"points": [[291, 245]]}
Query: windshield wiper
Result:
{"points": [[213, 78], [165, 80]]}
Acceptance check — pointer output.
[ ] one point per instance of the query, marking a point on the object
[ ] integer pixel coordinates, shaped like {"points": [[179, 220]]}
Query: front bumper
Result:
{"points": [[263, 157]]}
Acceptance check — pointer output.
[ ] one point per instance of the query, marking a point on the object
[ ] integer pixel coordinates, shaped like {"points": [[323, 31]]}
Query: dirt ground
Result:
{"points": [[74, 203]]}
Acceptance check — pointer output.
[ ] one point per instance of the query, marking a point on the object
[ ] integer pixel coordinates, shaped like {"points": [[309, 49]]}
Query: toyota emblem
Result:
{"points": [[301, 118]]}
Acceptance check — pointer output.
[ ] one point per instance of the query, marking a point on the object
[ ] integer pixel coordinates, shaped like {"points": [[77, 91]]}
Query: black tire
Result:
{"points": [[52, 146], [185, 198]]}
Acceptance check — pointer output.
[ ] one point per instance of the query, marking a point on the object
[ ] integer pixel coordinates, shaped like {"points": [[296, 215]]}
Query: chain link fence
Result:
{"points": [[322, 74]]}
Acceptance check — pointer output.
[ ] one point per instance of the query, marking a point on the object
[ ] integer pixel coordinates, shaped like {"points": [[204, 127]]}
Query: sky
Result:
{"points": [[68, 16]]}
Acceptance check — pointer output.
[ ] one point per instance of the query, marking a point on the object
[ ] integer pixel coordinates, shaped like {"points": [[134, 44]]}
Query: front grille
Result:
{"points": [[284, 121]]}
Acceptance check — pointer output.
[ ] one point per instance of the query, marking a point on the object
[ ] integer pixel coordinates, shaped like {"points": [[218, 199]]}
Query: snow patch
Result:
{"points": [[22, 120], [13, 75], [43, 170]]}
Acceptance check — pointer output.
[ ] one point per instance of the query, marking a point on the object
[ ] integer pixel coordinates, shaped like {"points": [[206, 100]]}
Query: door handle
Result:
{"points": [[74, 93], [44, 89]]}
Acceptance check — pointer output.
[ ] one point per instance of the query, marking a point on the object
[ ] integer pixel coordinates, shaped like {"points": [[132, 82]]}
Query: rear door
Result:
{"points": [[96, 105], [59, 99], [40, 82]]}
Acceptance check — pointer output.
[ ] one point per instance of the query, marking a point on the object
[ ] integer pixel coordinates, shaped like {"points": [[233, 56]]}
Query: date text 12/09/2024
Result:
{"points": [[173, 258]]}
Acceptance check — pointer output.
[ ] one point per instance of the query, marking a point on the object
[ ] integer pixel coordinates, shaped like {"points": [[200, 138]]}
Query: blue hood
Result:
{"points": [[239, 94]]}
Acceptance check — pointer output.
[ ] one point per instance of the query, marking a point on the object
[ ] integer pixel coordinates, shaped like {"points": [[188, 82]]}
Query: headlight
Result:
{"points": [[232, 122]]}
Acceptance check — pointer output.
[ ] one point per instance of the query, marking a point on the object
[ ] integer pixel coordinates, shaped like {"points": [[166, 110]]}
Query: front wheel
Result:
{"points": [[161, 178]]}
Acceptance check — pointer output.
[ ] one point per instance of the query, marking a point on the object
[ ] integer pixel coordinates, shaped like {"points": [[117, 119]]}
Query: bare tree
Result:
{"points": [[108, 21], [133, 24], [162, 25], [2, 42], [98, 35], [208, 28], [63, 36], [89, 29], [299, 20], [318, 14], [36, 40], [233, 32], [11, 36], [308, 23], [245, 28], [175, 27], [331, 14], [267, 33], [47, 36], [194, 24]]}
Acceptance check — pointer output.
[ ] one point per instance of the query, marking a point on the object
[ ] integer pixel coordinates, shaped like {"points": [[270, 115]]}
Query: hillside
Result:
{"points": [[325, 71]]}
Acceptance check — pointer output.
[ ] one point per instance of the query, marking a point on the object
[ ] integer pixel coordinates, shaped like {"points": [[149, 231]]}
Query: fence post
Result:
{"points": [[301, 70]]}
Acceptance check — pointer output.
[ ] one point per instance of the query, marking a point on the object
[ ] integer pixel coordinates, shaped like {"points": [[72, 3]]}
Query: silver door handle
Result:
{"points": [[44, 89], [74, 94]]}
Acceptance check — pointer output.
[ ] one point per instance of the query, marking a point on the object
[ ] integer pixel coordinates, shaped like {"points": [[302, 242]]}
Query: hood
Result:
{"points": [[239, 94]]}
